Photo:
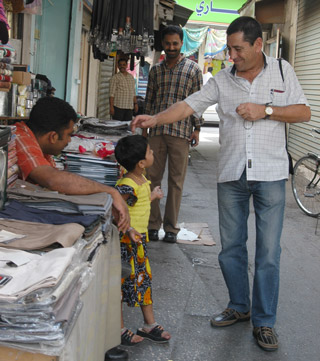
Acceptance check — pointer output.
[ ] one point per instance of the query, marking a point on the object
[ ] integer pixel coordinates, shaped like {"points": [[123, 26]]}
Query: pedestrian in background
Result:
{"points": [[207, 75], [255, 97], [122, 98], [170, 81]]}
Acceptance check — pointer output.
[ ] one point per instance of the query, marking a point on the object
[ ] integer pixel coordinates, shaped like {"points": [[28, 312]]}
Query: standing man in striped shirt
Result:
{"points": [[122, 97], [171, 81]]}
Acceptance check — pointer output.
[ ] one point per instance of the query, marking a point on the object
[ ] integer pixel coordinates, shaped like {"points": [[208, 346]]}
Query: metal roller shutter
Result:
{"points": [[106, 72], [307, 68]]}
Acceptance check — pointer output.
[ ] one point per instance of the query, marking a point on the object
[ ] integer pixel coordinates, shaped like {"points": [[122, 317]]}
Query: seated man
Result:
{"points": [[45, 134]]}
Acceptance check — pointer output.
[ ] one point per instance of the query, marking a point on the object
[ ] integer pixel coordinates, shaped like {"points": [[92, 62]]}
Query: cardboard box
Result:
{"points": [[21, 78], [21, 67]]}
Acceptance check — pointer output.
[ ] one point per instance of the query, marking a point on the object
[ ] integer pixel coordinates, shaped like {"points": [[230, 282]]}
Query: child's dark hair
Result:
{"points": [[130, 150]]}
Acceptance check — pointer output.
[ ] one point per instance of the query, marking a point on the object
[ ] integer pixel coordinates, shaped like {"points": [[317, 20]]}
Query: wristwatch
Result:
{"points": [[268, 111], [197, 128]]}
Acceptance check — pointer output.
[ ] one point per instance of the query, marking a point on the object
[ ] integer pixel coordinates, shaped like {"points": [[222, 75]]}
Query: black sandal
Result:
{"points": [[154, 335], [126, 338]]}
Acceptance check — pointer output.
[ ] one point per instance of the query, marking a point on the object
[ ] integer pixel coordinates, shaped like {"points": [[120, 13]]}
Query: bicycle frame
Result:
{"points": [[316, 173]]}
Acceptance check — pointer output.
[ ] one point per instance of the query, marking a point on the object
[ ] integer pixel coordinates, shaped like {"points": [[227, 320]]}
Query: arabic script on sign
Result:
{"points": [[203, 8]]}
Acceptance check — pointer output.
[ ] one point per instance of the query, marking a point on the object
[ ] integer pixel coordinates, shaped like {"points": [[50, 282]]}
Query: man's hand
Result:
{"points": [[143, 121], [111, 110], [122, 217], [251, 111], [194, 138], [136, 108]]}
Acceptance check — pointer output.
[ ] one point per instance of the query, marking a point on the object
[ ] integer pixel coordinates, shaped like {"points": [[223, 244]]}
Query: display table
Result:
{"points": [[97, 328]]}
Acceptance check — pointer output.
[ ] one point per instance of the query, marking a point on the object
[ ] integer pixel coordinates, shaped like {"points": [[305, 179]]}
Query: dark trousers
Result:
{"points": [[122, 114]]}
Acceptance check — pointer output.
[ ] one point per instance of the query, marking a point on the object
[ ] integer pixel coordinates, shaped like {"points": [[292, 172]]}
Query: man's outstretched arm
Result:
{"points": [[176, 112]]}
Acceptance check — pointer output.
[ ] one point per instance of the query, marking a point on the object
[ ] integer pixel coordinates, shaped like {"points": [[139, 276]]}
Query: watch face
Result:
{"points": [[269, 110]]}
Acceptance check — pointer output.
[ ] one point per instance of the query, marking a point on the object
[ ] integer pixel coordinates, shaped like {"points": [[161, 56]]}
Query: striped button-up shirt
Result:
{"points": [[122, 88], [167, 86], [258, 146]]}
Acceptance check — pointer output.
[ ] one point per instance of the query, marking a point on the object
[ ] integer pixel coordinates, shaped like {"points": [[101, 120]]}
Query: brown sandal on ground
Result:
{"points": [[154, 335], [127, 338]]}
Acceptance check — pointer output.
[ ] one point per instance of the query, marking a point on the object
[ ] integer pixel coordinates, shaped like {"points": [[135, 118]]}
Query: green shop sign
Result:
{"points": [[215, 11]]}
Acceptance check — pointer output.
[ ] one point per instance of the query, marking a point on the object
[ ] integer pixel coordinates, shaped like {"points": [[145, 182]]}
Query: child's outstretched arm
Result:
{"points": [[156, 193]]}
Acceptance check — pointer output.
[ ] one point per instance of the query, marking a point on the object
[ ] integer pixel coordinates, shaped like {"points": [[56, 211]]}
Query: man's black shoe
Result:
{"points": [[228, 317], [116, 354], [153, 235], [170, 237], [266, 338]]}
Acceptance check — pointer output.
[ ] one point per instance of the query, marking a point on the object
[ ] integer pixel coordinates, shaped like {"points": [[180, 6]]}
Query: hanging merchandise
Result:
{"points": [[216, 42], [122, 25], [192, 40], [4, 26]]}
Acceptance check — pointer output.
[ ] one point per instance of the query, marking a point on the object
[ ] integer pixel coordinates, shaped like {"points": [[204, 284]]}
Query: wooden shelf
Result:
{"points": [[11, 120]]}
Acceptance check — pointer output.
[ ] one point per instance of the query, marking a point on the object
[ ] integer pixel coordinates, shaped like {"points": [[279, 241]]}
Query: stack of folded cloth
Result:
{"points": [[81, 156], [40, 297], [110, 127], [46, 242], [7, 55], [13, 168], [98, 204], [47, 227]]}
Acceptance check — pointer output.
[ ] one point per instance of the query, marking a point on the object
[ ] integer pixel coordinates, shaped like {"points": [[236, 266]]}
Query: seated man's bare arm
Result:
{"points": [[72, 184]]}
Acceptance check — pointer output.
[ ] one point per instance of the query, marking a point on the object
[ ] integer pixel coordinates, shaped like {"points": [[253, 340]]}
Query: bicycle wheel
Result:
{"points": [[305, 183]]}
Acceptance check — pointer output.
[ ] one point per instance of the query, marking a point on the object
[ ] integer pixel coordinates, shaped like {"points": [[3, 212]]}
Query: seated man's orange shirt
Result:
{"points": [[29, 153]]}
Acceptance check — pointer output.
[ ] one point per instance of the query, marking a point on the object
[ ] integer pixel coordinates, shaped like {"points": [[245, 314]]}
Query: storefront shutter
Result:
{"points": [[307, 68], [106, 72]]}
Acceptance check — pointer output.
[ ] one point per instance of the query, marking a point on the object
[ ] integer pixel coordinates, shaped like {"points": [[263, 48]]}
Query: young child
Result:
{"points": [[134, 154]]}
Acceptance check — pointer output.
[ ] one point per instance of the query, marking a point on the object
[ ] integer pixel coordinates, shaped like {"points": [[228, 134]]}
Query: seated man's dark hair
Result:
{"points": [[130, 150], [171, 30], [51, 114], [249, 26]]}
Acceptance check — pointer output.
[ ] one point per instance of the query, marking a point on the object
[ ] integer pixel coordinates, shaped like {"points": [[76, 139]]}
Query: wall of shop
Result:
{"points": [[57, 46], [51, 43], [307, 68]]}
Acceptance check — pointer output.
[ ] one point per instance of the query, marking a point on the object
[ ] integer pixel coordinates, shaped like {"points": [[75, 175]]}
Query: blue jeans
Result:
{"points": [[269, 203]]}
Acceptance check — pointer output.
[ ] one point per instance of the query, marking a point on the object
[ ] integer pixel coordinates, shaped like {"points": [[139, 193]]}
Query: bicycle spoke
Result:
{"points": [[305, 185]]}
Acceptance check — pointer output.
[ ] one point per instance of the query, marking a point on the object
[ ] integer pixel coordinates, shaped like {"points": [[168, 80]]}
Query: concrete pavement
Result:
{"points": [[188, 287]]}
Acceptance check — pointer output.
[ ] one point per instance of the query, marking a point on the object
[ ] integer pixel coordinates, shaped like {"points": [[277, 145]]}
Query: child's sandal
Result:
{"points": [[154, 335], [126, 338]]}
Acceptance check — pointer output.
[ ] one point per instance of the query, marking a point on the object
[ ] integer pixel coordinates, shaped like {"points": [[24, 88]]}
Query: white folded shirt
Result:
{"points": [[32, 271]]}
